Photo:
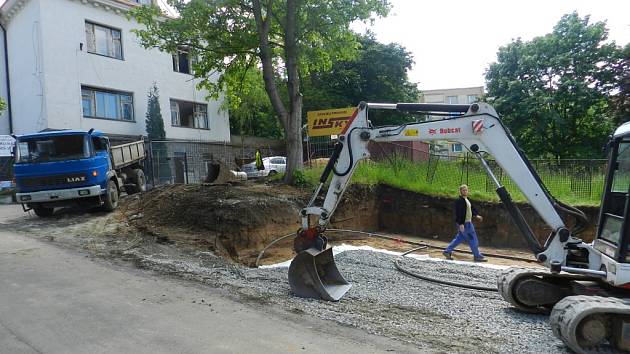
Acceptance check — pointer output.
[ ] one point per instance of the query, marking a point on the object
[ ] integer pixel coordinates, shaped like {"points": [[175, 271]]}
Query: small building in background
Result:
{"points": [[463, 95]]}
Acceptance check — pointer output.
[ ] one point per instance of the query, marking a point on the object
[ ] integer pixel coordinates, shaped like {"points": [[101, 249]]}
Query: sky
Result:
{"points": [[454, 41]]}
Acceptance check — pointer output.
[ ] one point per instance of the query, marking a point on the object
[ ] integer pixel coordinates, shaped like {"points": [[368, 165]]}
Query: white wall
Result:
{"points": [[26, 69], [66, 67]]}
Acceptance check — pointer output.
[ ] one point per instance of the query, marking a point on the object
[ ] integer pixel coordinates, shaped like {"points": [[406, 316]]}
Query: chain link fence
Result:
{"points": [[581, 178], [189, 161]]}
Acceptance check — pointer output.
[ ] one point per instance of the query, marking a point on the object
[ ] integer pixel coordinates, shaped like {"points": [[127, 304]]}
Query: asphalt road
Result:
{"points": [[56, 300]]}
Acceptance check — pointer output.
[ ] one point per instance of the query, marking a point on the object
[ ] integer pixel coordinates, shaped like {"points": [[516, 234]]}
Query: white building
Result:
{"points": [[464, 95], [76, 64]]}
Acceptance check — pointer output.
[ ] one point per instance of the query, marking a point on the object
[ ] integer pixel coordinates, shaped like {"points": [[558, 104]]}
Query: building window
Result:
{"points": [[113, 105], [183, 61], [103, 40], [189, 114], [456, 147], [452, 100], [175, 114], [472, 98]]}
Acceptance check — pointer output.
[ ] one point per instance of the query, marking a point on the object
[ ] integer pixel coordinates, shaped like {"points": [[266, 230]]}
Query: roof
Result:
{"points": [[475, 89], [623, 129], [58, 133], [12, 7]]}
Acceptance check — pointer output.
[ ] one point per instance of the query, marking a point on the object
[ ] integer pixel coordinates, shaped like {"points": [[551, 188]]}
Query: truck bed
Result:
{"points": [[127, 154]]}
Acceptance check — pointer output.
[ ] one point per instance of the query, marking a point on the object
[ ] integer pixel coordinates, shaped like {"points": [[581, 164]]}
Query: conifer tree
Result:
{"points": [[154, 121]]}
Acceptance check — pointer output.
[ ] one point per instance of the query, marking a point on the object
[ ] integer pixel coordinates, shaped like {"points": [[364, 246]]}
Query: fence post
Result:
{"points": [[185, 168], [151, 163], [158, 165]]}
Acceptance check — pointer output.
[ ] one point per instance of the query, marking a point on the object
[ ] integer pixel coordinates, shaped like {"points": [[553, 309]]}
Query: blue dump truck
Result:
{"points": [[70, 167]]}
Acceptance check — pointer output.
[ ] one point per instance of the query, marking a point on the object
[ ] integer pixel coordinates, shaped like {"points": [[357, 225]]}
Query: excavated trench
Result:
{"points": [[238, 221]]}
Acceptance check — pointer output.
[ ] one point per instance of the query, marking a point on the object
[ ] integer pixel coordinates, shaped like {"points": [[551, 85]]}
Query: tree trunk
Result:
{"points": [[292, 119], [294, 143], [294, 122]]}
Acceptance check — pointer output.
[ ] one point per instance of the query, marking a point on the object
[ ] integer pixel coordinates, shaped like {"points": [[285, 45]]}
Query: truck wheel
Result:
{"points": [[139, 180], [110, 201], [43, 212]]}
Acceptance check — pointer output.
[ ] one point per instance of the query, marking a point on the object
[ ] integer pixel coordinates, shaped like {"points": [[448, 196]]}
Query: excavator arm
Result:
{"points": [[478, 128], [586, 291]]}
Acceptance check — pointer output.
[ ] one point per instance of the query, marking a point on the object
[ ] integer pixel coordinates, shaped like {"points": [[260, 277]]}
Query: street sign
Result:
{"points": [[6, 145], [329, 122]]}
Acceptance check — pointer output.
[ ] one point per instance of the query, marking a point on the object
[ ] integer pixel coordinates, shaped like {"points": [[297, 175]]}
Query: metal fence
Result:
{"points": [[580, 178], [6, 168], [188, 161]]}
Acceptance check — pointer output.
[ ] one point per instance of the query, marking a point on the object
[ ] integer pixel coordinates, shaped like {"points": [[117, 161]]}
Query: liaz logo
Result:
{"points": [[75, 179], [325, 123], [432, 131]]}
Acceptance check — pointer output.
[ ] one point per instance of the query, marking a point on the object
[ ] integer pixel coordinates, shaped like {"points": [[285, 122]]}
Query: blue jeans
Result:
{"points": [[469, 236]]}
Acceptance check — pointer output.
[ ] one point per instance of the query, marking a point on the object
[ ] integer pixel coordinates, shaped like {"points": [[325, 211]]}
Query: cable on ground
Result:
{"points": [[397, 239], [437, 281]]}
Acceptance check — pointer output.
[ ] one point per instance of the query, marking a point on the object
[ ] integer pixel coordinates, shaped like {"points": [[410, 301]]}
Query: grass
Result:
{"points": [[449, 175]]}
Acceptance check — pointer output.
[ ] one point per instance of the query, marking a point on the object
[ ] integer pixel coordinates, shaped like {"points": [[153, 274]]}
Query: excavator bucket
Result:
{"points": [[220, 173], [314, 274]]}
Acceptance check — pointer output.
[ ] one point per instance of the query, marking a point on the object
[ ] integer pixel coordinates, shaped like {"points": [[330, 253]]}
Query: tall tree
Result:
{"points": [[287, 39], [621, 98], [377, 74], [554, 91], [250, 110], [154, 121]]}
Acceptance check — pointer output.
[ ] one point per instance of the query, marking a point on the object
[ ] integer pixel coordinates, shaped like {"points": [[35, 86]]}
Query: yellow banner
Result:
{"points": [[328, 122]]}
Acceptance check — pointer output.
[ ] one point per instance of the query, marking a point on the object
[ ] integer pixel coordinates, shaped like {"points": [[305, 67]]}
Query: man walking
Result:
{"points": [[464, 213]]}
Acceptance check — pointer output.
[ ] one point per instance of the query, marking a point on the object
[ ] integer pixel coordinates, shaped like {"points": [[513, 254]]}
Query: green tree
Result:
{"points": [[250, 110], [154, 121], [621, 98], [287, 39], [377, 74], [554, 91]]}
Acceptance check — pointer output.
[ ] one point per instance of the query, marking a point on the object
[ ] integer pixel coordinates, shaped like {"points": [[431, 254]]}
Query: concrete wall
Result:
{"points": [[57, 28]]}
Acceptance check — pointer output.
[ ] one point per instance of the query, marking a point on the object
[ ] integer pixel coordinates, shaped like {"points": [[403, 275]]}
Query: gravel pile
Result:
{"points": [[386, 302]]}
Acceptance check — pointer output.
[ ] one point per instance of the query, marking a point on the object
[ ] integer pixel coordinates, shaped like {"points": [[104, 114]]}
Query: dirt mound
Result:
{"points": [[236, 220]]}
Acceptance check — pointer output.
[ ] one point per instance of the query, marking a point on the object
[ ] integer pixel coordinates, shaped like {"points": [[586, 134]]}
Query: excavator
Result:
{"points": [[585, 287]]}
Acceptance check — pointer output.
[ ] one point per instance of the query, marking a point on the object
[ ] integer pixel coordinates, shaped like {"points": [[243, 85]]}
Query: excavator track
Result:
{"points": [[506, 283], [536, 291], [593, 324]]}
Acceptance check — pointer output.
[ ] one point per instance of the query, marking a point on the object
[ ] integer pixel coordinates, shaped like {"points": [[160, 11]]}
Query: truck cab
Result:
{"points": [[71, 167]]}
